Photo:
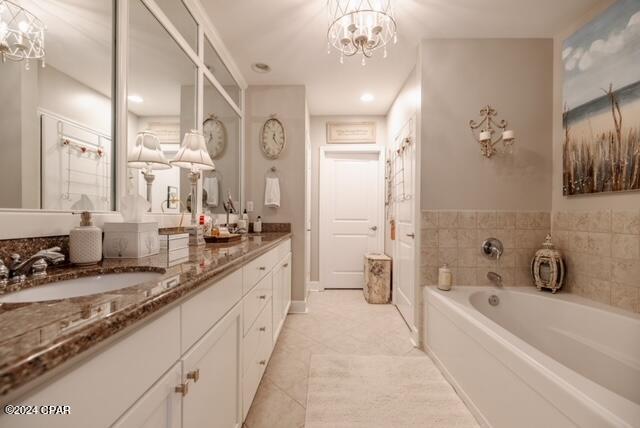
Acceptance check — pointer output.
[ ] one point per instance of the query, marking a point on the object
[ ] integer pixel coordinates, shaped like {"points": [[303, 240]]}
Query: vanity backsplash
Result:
{"points": [[28, 246]]}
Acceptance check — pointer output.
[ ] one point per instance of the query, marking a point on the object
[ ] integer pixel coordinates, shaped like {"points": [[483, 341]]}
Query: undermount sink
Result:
{"points": [[78, 287]]}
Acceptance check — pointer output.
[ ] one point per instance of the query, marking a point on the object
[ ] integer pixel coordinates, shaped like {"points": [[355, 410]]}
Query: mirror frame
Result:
{"points": [[21, 223]]}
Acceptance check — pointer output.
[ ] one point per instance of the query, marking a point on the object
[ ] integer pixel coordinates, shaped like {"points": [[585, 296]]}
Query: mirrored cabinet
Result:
{"points": [[62, 150]]}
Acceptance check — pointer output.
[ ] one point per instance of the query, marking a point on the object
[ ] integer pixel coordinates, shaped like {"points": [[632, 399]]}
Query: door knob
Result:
{"points": [[373, 228], [411, 235]]}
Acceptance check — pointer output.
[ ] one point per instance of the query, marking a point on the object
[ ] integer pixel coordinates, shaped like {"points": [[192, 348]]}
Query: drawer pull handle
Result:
{"points": [[263, 297], [194, 375], [285, 265], [263, 362], [182, 389], [263, 328], [262, 268]]}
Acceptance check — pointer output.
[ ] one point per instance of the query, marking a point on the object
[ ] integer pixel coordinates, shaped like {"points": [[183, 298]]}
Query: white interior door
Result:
{"points": [[404, 200], [351, 207]]}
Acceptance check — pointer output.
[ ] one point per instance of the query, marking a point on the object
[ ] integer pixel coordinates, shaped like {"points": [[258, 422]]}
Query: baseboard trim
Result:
{"points": [[298, 307], [314, 286]]}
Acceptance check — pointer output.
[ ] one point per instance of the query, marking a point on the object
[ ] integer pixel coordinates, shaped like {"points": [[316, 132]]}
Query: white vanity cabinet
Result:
{"points": [[196, 366], [281, 293], [212, 372], [159, 407]]}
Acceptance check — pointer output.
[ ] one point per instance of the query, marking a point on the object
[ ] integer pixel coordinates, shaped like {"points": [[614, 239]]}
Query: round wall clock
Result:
{"points": [[273, 138], [215, 135]]}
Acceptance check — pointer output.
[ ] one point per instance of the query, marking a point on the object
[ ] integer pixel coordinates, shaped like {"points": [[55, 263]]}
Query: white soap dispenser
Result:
{"points": [[85, 242], [257, 225]]}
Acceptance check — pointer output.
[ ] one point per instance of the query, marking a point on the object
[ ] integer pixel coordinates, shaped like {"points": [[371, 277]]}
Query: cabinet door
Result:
{"points": [[277, 301], [159, 407], [212, 372], [286, 285]]}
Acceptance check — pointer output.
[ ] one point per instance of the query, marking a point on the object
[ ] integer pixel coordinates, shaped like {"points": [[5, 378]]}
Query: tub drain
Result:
{"points": [[494, 300]]}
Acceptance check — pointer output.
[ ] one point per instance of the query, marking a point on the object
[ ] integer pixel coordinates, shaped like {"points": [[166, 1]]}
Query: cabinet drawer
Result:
{"points": [[258, 336], [254, 370], [255, 270], [283, 249], [255, 301], [203, 310], [102, 388]]}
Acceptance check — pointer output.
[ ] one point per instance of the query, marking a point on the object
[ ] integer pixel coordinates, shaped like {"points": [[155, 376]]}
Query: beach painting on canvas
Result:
{"points": [[601, 118]]}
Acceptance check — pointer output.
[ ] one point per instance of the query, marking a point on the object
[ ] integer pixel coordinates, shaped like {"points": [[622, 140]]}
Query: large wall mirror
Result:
{"points": [[221, 129], [162, 103], [56, 145], [57, 133]]}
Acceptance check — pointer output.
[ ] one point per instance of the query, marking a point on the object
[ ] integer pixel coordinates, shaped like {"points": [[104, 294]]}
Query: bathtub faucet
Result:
{"points": [[492, 248], [495, 278]]}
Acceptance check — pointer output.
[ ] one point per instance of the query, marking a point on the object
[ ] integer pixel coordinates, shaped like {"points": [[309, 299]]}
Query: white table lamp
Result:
{"points": [[193, 155], [147, 155]]}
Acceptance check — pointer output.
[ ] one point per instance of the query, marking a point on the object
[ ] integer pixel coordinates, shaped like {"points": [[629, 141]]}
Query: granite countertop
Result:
{"points": [[36, 338]]}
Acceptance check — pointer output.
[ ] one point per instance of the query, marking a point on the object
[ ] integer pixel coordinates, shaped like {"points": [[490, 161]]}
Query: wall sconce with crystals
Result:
{"points": [[487, 128], [360, 26], [21, 34]]}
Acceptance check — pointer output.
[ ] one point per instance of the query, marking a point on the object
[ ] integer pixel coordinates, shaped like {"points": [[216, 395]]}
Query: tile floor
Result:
{"points": [[338, 322]]}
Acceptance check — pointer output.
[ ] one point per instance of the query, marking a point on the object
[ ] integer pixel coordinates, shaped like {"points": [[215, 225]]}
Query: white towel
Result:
{"points": [[211, 185], [272, 192]]}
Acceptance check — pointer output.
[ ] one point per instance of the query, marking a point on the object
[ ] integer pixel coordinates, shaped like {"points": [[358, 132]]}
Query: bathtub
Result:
{"points": [[536, 359]]}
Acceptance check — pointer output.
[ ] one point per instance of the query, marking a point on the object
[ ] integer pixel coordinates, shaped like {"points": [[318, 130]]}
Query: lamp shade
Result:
{"points": [[147, 153], [193, 153]]}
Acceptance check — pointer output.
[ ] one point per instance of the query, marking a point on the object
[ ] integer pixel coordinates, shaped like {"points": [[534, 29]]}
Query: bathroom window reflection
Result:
{"points": [[56, 148], [221, 129], [161, 100]]}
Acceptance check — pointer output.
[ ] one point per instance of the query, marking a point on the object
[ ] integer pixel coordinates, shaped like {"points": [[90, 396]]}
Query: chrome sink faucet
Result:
{"points": [[36, 265], [229, 208]]}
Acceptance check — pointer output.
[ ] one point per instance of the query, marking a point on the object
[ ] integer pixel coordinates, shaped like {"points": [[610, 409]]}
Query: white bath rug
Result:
{"points": [[348, 391]]}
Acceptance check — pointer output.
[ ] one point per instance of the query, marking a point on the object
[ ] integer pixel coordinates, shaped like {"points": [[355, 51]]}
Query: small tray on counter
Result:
{"points": [[222, 239]]}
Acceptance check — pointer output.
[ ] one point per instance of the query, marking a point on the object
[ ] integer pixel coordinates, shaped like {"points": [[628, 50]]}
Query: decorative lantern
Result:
{"points": [[547, 267]]}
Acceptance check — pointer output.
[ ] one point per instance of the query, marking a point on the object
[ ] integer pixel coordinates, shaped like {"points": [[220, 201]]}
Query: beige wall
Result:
{"points": [[288, 103], [621, 201], [318, 135], [459, 77]]}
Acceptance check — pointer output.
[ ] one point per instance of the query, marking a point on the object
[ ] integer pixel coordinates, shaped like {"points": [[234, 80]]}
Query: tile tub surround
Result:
{"points": [[35, 338], [602, 253], [455, 237]]}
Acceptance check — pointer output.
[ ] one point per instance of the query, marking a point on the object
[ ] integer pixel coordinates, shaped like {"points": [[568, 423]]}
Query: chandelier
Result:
{"points": [[21, 34], [360, 26]]}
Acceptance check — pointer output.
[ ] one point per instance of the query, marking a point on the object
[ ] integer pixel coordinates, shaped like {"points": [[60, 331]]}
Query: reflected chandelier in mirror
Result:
{"points": [[21, 34]]}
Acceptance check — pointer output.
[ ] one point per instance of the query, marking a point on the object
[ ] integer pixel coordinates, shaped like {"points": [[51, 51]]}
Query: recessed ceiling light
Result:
{"points": [[135, 99], [260, 67], [366, 98]]}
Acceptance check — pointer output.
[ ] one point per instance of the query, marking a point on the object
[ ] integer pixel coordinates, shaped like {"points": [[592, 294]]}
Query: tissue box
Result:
{"points": [[130, 240], [173, 242]]}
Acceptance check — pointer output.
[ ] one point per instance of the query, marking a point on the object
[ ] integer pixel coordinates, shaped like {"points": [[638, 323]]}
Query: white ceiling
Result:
{"points": [[290, 36]]}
